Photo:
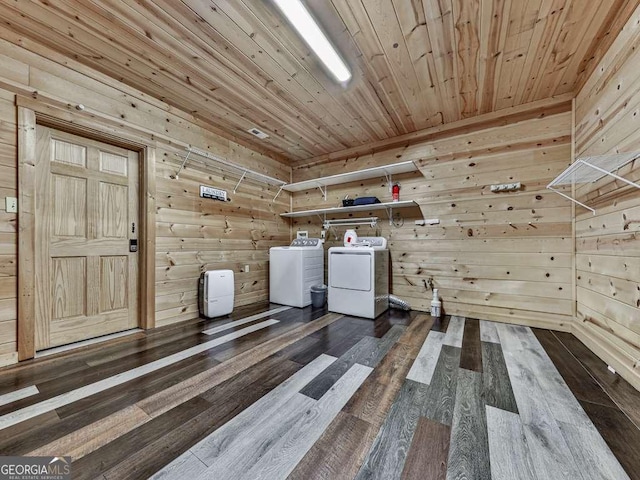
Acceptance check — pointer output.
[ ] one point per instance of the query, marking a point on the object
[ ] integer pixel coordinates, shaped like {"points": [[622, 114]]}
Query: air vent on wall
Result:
{"points": [[258, 133]]}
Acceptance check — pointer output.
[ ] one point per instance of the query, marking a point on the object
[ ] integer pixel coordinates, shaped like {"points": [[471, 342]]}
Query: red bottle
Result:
{"points": [[395, 192]]}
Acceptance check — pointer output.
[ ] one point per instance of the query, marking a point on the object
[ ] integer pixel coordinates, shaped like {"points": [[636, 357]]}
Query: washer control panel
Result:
{"points": [[375, 242], [305, 242]]}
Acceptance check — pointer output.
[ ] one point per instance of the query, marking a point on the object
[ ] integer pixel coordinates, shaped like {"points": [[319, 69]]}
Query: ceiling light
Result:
{"points": [[309, 30]]}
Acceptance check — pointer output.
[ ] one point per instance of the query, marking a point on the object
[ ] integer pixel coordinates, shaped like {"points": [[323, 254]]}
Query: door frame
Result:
{"points": [[32, 112]]}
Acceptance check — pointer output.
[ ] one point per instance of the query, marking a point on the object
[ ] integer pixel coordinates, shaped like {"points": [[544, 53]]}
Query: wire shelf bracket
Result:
{"points": [[590, 170]]}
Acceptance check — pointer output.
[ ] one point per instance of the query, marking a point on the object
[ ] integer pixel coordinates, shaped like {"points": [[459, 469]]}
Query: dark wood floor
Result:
{"points": [[377, 411]]}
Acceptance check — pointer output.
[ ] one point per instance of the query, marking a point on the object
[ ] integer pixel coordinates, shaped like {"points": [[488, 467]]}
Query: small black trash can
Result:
{"points": [[318, 295]]}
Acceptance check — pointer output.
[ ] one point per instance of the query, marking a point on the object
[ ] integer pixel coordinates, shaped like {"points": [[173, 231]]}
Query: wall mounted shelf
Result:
{"points": [[242, 172], [323, 212], [367, 173], [323, 182], [591, 169]]}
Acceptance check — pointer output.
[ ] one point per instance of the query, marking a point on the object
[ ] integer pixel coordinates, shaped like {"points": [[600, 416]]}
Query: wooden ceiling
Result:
{"points": [[417, 63]]}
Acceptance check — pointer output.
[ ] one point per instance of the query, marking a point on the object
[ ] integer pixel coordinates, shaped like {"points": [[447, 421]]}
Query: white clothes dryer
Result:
{"points": [[359, 278], [293, 270]]}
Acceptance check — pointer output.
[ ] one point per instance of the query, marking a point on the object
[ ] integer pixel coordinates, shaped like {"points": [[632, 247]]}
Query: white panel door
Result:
{"points": [[86, 214]]}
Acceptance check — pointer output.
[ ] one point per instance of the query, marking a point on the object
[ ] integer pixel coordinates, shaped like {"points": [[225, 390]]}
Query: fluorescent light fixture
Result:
{"points": [[309, 30]]}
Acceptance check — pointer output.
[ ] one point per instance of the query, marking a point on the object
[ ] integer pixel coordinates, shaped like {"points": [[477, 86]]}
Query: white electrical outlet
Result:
{"points": [[506, 187], [246, 269], [427, 221], [11, 204]]}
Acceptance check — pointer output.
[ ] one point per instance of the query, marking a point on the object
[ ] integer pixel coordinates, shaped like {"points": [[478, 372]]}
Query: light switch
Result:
{"points": [[11, 204]]}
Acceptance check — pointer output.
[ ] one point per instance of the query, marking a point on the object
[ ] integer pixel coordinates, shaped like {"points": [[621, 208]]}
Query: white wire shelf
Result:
{"points": [[354, 208], [591, 169], [323, 212], [242, 172], [323, 182]]}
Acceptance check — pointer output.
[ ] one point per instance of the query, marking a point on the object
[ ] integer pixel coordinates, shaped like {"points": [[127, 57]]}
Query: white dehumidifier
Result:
{"points": [[215, 293]]}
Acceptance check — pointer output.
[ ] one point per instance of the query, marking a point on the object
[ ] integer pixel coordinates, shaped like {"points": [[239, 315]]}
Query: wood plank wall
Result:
{"points": [[192, 234], [505, 256], [608, 244], [8, 227]]}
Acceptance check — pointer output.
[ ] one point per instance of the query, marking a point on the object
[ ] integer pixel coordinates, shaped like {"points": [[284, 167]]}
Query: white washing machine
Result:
{"points": [[359, 278], [293, 270]]}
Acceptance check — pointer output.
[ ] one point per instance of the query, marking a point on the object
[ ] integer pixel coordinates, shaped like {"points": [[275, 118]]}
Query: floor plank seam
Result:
{"points": [[184, 394], [621, 407], [251, 437], [393, 399], [469, 450], [379, 463], [243, 321], [148, 458], [369, 351], [31, 411], [546, 403], [387, 455], [12, 397]]}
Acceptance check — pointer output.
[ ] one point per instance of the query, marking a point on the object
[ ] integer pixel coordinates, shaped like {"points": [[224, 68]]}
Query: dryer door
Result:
{"points": [[350, 270]]}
